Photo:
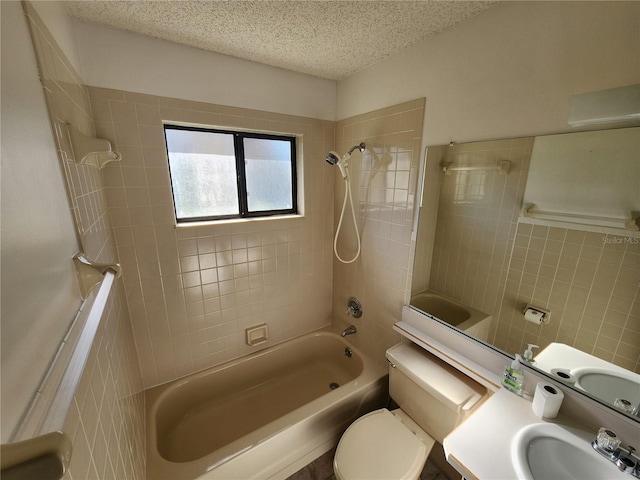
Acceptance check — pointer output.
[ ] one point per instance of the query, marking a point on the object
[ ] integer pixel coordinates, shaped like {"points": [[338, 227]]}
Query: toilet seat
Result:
{"points": [[379, 446]]}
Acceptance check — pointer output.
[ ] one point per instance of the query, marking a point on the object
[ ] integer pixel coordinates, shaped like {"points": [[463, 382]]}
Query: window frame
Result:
{"points": [[241, 176]]}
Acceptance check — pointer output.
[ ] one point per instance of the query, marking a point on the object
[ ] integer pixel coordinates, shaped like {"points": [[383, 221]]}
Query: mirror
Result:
{"points": [[481, 258]]}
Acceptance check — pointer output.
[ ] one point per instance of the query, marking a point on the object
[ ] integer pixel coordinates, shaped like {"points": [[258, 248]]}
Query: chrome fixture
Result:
{"points": [[348, 352], [354, 308], [350, 330], [608, 445]]}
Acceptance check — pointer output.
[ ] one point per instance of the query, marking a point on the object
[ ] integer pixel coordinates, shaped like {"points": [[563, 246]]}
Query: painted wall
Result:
{"points": [[39, 292], [117, 59], [508, 72]]}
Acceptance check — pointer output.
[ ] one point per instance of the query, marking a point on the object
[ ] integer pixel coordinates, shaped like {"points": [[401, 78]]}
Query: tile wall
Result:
{"points": [[589, 281], [193, 290], [476, 223], [484, 258], [106, 423], [384, 180]]}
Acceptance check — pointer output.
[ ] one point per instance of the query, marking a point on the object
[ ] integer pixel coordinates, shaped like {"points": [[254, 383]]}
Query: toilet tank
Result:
{"points": [[433, 393]]}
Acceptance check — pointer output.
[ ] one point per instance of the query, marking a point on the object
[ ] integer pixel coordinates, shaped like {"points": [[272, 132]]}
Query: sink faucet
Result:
{"points": [[350, 330], [608, 445]]}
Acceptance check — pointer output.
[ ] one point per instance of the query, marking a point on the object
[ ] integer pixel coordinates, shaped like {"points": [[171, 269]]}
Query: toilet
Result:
{"points": [[433, 398]]}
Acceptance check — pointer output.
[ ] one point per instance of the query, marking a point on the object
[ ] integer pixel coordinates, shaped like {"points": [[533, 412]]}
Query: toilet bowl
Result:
{"points": [[433, 398]]}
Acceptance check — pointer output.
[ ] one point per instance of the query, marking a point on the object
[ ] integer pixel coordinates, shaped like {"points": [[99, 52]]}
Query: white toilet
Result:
{"points": [[433, 398]]}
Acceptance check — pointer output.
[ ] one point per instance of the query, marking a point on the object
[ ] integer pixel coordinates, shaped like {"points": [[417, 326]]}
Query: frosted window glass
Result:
{"points": [[203, 173], [220, 174], [268, 172]]}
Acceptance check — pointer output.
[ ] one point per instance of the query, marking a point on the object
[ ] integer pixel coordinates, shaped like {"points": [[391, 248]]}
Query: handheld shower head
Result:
{"points": [[332, 158]]}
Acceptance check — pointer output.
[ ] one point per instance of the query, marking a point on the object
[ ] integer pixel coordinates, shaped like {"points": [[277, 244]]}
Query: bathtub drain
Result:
{"points": [[333, 385]]}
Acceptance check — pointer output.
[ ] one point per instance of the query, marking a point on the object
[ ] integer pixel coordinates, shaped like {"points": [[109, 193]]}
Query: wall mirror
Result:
{"points": [[548, 222]]}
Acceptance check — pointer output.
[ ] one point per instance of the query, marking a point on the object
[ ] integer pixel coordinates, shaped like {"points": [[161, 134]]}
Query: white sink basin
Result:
{"points": [[546, 451], [608, 385]]}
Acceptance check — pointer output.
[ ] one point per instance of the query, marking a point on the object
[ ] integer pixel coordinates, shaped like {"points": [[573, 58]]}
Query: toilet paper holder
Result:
{"points": [[536, 315]]}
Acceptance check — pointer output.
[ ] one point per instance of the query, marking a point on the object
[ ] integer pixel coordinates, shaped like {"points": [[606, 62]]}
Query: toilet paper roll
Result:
{"points": [[533, 316], [564, 375], [547, 400]]}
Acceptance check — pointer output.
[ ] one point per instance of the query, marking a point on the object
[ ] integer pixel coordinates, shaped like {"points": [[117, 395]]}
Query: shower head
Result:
{"points": [[332, 158]]}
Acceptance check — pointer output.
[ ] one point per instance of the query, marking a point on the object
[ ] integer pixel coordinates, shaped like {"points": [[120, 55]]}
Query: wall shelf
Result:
{"points": [[85, 148]]}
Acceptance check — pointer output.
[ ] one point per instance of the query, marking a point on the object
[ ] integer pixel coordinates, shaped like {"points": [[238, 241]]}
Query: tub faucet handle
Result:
{"points": [[354, 308]]}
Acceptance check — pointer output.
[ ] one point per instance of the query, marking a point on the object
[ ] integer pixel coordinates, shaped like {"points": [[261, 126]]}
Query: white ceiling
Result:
{"points": [[329, 39]]}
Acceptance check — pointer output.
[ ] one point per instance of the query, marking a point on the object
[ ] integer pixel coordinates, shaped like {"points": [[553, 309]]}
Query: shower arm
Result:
{"points": [[361, 147]]}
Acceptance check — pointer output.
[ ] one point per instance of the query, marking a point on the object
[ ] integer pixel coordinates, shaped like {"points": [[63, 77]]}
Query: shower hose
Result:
{"points": [[347, 193]]}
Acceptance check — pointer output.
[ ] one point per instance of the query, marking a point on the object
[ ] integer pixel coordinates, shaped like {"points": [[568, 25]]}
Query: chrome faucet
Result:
{"points": [[350, 330], [608, 445]]}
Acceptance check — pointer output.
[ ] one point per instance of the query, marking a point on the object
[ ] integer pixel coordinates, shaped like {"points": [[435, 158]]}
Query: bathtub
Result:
{"points": [[465, 318], [262, 416]]}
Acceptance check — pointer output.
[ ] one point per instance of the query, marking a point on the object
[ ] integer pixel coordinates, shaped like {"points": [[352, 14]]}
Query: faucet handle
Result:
{"points": [[354, 308], [607, 440]]}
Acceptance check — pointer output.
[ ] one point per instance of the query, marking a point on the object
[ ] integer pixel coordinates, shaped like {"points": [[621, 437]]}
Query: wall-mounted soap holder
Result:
{"points": [[86, 148], [90, 273], [257, 334]]}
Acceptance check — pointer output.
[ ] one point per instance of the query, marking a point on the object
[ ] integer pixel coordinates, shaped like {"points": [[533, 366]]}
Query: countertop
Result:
{"points": [[480, 448]]}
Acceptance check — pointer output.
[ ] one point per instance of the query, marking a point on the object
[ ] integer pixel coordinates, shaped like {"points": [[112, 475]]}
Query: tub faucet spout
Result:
{"points": [[350, 330]]}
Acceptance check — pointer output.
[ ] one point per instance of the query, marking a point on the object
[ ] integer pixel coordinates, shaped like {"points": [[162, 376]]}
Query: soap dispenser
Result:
{"points": [[527, 356], [513, 377]]}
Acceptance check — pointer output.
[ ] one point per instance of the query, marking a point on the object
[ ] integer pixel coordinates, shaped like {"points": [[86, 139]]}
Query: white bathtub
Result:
{"points": [[465, 318], [262, 416]]}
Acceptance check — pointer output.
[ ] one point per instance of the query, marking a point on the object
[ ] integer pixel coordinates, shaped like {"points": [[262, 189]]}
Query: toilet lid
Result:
{"points": [[378, 446]]}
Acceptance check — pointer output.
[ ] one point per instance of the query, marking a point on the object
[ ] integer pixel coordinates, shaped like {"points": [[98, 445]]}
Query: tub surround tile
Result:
{"points": [[215, 278], [384, 180]]}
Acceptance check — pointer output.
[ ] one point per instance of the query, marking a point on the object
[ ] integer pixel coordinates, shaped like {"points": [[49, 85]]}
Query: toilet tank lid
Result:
{"points": [[441, 380]]}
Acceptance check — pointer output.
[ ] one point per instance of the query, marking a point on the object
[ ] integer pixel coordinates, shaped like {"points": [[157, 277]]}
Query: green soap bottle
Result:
{"points": [[514, 376]]}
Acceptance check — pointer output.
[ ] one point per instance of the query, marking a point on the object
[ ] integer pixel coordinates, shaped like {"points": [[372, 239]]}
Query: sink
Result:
{"points": [[607, 385], [547, 451]]}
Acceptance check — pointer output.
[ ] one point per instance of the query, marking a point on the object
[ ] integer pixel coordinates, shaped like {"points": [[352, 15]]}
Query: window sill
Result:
{"points": [[235, 221]]}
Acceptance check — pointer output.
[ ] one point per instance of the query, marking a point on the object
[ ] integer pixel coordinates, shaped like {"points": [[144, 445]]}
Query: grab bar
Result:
{"points": [[38, 443], [502, 167]]}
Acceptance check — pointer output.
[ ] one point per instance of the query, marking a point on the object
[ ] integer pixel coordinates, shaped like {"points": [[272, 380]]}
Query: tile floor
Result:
{"points": [[322, 469]]}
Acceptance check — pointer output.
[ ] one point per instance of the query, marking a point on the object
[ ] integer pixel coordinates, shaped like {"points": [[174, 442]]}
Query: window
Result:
{"points": [[219, 174]]}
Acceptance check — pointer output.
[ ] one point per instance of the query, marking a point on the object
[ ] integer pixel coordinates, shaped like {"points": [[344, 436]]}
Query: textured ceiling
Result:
{"points": [[330, 39]]}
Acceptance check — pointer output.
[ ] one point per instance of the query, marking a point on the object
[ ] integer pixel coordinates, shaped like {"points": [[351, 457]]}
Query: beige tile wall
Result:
{"points": [[476, 223], [384, 181], [193, 290], [107, 422], [484, 258], [589, 281]]}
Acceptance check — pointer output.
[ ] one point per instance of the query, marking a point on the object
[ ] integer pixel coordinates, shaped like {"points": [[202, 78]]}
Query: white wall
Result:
{"points": [[60, 25], [122, 60], [508, 72], [39, 291]]}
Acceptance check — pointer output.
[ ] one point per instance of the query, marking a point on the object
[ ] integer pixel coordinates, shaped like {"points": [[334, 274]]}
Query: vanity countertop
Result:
{"points": [[480, 448]]}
